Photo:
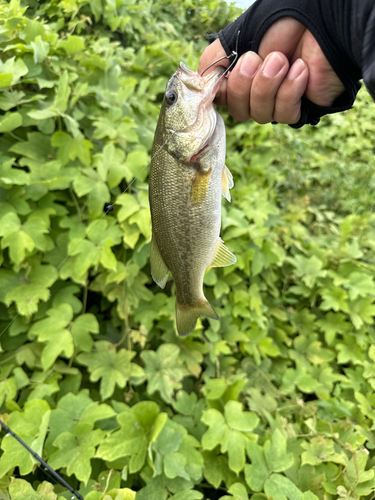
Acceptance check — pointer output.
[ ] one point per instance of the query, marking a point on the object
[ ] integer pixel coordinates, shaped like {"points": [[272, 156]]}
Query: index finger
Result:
{"points": [[211, 54]]}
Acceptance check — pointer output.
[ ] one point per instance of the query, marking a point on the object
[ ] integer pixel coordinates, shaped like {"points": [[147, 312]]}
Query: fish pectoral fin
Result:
{"points": [[226, 182], [159, 270], [186, 316], [223, 256]]}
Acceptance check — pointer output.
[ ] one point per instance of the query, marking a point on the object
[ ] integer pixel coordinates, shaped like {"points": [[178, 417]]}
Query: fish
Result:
{"points": [[187, 177]]}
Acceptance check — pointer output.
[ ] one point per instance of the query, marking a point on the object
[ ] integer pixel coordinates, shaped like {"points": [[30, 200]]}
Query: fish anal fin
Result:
{"points": [[186, 316], [199, 186], [223, 256], [159, 270], [226, 183]]}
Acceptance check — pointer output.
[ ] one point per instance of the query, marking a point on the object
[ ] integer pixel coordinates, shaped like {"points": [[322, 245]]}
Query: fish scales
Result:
{"points": [[185, 187]]}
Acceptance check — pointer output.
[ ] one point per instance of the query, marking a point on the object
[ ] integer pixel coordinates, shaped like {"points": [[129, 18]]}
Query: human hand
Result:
{"points": [[268, 86]]}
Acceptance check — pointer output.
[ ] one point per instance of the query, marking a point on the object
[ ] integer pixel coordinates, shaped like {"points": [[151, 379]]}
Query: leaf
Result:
{"points": [[62, 93], [163, 370], [321, 449], [76, 450], [74, 409], [129, 206], [185, 402], [72, 44], [131, 439], [221, 432], [53, 331], [10, 121], [81, 329], [281, 488], [355, 471], [239, 420], [256, 473], [108, 365], [12, 67], [31, 426], [275, 452], [334, 298], [136, 162], [19, 243], [28, 295], [360, 285], [20, 489], [40, 48], [174, 466]]}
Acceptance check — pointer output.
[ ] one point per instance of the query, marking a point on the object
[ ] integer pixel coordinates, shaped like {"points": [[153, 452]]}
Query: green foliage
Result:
{"points": [[274, 401]]}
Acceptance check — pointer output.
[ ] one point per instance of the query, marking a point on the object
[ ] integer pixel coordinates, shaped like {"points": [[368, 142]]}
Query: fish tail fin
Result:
{"points": [[186, 316]]}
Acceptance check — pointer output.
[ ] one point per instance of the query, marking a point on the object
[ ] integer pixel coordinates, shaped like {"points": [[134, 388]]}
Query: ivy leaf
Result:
{"points": [[19, 243], [62, 93], [132, 438], [31, 426], [76, 450], [332, 324], [74, 409], [280, 487], [14, 67], [275, 452], [216, 469], [360, 285], [72, 44], [81, 329], [258, 471], [163, 370], [20, 489], [334, 298], [185, 402], [40, 48], [111, 366], [53, 331], [321, 449], [231, 440], [36, 288], [174, 466], [239, 420], [355, 471], [10, 121]]}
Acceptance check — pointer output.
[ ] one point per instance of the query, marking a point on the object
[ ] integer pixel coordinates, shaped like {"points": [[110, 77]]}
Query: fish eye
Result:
{"points": [[171, 97]]}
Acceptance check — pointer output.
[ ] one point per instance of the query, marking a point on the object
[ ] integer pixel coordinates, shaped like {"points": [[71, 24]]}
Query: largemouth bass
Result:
{"points": [[187, 178]]}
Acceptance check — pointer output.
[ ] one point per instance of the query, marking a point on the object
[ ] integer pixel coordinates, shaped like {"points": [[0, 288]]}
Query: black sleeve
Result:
{"points": [[344, 29]]}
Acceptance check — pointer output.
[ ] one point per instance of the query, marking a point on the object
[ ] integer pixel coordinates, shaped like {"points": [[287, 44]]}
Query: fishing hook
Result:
{"points": [[233, 54]]}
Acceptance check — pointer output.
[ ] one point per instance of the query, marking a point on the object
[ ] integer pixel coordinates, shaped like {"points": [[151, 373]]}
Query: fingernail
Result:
{"points": [[273, 65], [249, 64], [296, 69]]}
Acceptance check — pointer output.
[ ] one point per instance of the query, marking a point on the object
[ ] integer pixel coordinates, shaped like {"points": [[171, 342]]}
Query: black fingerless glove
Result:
{"points": [[344, 29]]}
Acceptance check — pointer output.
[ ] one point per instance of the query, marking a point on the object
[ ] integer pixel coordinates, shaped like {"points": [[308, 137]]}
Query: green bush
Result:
{"points": [[274, 401]]}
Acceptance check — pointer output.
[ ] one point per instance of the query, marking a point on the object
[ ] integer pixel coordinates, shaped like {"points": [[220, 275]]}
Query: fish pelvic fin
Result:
{"points": [[223, 256], [186, 316], [159, 270], [226, 183]]}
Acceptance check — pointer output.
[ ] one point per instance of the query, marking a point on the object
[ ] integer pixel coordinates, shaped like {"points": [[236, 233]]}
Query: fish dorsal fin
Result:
{"points": [[226, 182], [159, 270], [223, 257]]}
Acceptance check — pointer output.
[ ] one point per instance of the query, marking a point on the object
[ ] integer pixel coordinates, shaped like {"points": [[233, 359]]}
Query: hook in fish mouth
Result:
{"points": [[234, 54]]}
